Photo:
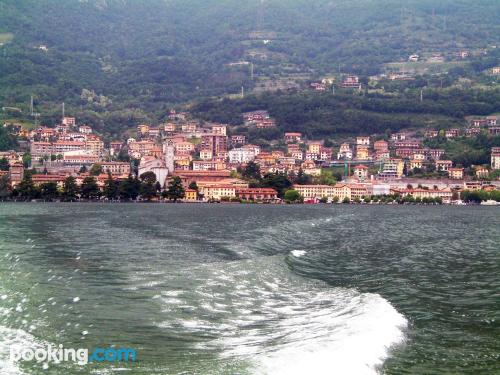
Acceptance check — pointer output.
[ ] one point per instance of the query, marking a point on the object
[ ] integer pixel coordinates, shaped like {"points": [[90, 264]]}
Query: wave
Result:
{"points": [[326, 342], [258, 312], [9, 338]]}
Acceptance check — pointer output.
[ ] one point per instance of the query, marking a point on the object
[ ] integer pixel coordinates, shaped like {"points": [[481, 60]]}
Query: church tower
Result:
{"points": [[168, 150]]}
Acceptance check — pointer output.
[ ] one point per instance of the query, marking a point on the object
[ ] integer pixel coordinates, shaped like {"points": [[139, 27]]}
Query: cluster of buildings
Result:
{"points": [[475, 126], [210, 156], [259, 119], [349, 81], [359, 190]]}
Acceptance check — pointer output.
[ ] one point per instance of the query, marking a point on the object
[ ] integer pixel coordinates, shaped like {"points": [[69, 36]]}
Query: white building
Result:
{"points": [[85, 129], [157, 166], [241, 155], [363, 141], [495, 160], [345, 152], [169, 152]]}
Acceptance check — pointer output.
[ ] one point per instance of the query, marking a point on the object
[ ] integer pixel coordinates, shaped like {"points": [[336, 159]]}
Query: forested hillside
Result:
{"points": [[321, 116], [117, 62]]}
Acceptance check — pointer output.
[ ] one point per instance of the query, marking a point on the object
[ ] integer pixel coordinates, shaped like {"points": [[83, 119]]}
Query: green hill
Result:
{"points": [[136, 59]]}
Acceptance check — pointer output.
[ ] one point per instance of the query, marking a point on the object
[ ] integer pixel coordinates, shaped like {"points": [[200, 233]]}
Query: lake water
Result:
{"points": [[253, 289]]}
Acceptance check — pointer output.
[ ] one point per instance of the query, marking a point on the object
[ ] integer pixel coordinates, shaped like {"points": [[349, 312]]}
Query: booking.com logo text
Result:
{"points": [[58, 354]]}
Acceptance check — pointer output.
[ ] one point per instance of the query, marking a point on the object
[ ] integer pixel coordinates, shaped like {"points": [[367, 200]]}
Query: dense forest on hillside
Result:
{"points": [[118, 62], [347, 113]]}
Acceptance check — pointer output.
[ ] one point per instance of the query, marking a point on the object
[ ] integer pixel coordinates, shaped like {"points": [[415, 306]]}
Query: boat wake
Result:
{"points": [[258, 312], [329, 339], [13, 338]]}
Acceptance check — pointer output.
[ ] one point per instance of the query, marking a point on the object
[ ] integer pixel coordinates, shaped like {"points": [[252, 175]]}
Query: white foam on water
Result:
{"points": [[298, 253], [280, 323], [358, 343], [309, 327], [13, 338]]}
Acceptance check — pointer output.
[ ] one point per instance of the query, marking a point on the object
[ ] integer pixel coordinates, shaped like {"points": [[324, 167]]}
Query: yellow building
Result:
{"points": [[358, 191], [445, 194], [456, 173], [315, 191], [362, 152], [206, 154], [184, 147], [314, 148], [342, 191], [495, 160], [216, 192], [143, 129], [482, 172], [94, 145], [183, 162], [191, 195], [310, 168]]}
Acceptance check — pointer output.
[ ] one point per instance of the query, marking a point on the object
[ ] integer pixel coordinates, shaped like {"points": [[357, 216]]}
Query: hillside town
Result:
{"points": [[185, 159]]}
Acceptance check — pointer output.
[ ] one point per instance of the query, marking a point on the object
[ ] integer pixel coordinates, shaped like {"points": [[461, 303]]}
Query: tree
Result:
{"points": [[292, 196], [251, 171], [5, 190], [474, 196], [70, 189], [129, 188], [193, 186], [89, 188], [148, 190], [158, 187], [175, 190], [95, 170], [346, 200], [335, 200], [148, 177], [27, 189], [49, 191], [110, 189], [27, 160], [83, 169], [277, 181], [495, 195], [8, 141], [327, 178], [328, 143], [302, 178], [4, 164]]}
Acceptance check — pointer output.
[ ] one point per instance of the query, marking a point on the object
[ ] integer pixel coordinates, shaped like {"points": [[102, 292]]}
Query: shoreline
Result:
{"points": [[259, 203]]}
